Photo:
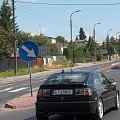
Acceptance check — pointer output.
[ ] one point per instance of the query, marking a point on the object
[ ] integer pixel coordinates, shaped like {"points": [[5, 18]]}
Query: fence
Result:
{"points": [[10, 64]]}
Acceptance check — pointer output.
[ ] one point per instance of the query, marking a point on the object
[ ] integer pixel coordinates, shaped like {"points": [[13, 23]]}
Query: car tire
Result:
{"points": [[42, 116], [99, 111], [117, 104]]}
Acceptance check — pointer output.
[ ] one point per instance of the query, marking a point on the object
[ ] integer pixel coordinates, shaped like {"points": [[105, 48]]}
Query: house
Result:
{"points": [[61, 46], [51, 40]]}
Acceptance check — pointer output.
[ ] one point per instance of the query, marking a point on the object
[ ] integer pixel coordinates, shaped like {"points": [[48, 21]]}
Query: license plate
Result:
{"points": [[62, 92]]}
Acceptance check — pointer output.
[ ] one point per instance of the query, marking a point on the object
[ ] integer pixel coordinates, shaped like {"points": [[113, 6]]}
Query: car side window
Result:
{"points": [[103, 79], [90, 79], [97, 80]]}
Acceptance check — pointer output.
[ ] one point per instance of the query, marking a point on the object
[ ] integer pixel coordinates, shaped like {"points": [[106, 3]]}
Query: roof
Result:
{"points": [[75, 71]]}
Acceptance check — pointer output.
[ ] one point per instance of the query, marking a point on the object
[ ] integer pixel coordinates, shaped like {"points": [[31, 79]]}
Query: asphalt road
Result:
{"points": [[9, 91], [14, 89]]}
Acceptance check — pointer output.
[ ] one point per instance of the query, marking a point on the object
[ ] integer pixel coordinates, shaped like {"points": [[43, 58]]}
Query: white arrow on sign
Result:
{"points": [[30, 52]]}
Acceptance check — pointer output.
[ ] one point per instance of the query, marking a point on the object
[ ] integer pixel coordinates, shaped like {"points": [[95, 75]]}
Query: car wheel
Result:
{"points": [[42, 116], [117, 105], [99, 111]]}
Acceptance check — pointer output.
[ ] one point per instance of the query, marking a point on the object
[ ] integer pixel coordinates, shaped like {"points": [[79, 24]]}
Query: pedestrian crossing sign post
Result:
{"points": [[28, 51]]}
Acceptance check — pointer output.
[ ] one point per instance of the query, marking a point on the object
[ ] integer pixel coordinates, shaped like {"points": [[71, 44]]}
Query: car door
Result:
{"points": [[109, 92], [99, 87]]}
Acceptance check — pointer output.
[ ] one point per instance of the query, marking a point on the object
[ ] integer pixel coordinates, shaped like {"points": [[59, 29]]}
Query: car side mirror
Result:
{"points": [[112, 81]]}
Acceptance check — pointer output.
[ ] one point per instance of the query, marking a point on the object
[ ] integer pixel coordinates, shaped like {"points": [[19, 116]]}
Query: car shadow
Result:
{"points": [[58, 117], [31, 118]]}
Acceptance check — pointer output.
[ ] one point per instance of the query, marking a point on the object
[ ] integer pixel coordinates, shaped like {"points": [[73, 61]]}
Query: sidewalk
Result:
{"points": [[26, 101]]}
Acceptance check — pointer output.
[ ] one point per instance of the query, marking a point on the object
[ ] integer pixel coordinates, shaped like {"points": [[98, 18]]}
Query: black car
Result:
{"points": [[77, 92]]}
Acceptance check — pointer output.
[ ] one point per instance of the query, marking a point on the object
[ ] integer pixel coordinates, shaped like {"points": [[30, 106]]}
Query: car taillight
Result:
{"points": [[43, 92], [39, 93], [83, 91]]}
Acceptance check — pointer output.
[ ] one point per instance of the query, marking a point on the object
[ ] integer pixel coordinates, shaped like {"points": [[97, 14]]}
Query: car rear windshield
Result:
{"points": [[67, 78]]}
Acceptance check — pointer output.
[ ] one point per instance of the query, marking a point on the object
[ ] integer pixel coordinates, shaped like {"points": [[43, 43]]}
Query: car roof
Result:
{"points": [[75, 71]]}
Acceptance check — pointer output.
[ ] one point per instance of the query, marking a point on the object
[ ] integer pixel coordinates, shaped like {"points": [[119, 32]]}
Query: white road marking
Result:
{"points": [[7, 89], [5, 85], [17, 90], [34, 89]]}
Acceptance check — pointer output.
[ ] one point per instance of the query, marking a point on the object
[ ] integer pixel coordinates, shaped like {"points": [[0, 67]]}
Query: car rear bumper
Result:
{"points": [[66, 107]]}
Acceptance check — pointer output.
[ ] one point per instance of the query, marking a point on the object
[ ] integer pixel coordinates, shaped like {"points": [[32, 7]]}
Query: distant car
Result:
{"points": [[77, 92]]}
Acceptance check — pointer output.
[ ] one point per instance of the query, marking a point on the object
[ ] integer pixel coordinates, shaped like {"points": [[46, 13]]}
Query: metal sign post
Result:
{"points": [[28, 51], [29, 63]]}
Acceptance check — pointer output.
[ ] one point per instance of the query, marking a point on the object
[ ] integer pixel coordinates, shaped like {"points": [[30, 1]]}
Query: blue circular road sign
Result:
{"points": [[28, 51]]}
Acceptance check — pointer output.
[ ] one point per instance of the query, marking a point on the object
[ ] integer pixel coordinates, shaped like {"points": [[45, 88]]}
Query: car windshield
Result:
{"points": [[66, 78]]}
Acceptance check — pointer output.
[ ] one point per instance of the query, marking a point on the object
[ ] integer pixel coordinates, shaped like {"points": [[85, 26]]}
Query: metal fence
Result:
{"points": [[9, 64]]}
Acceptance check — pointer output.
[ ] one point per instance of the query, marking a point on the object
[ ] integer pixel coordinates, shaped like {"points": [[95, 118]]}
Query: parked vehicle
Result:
{"points": [[77, 92]]}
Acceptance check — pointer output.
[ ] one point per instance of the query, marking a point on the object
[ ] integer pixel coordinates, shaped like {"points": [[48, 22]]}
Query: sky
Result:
{"points": [[54, 20]]}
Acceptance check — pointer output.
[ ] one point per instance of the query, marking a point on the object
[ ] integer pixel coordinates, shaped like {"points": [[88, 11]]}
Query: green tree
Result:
{"points": [[82, 35], [6, 48], [112, 45], [6, 18], [103, 46], [40, 40], [60, 39], [90, 47], [68, 52], [52, 50]]}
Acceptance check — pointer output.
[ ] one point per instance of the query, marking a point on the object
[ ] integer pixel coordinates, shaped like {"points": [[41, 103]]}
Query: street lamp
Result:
{"points": [[116, 44], [73, 60], [109, 44], [94, 42]]}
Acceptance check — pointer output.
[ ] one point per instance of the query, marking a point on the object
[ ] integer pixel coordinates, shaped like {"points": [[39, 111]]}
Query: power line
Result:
{"points": [[61, 4], [30, 12]]}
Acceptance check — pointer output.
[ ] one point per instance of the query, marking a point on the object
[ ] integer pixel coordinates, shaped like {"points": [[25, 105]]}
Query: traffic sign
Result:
{"points": [[28, 51]]}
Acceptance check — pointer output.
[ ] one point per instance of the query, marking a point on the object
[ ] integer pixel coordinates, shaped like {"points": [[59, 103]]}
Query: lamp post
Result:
{"points": [[15, 46], [116, 44], [73, 60], [109, 51], [94, 42]]}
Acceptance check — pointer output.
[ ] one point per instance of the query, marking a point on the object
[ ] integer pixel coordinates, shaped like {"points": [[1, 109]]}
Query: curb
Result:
{"points": [[21, 103], [10, 105]]}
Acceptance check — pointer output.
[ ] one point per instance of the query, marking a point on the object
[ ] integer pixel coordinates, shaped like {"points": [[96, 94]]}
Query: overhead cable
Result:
{"points": [[62, 4]]}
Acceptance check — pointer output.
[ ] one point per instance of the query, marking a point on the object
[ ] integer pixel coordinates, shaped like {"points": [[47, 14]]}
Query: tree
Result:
{"points": [[103, 46], [52, 50], [90, 46], [40, 40], [6, 19], [60, 39], [6, 30], [68, 52], [112, 45], [6, 48], [82, 35]]}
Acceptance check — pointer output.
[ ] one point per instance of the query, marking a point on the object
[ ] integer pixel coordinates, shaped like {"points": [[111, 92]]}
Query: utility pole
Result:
{"points": [[15, 57], [116, 49], [109, 44], [94, 42], [73, 59]]}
